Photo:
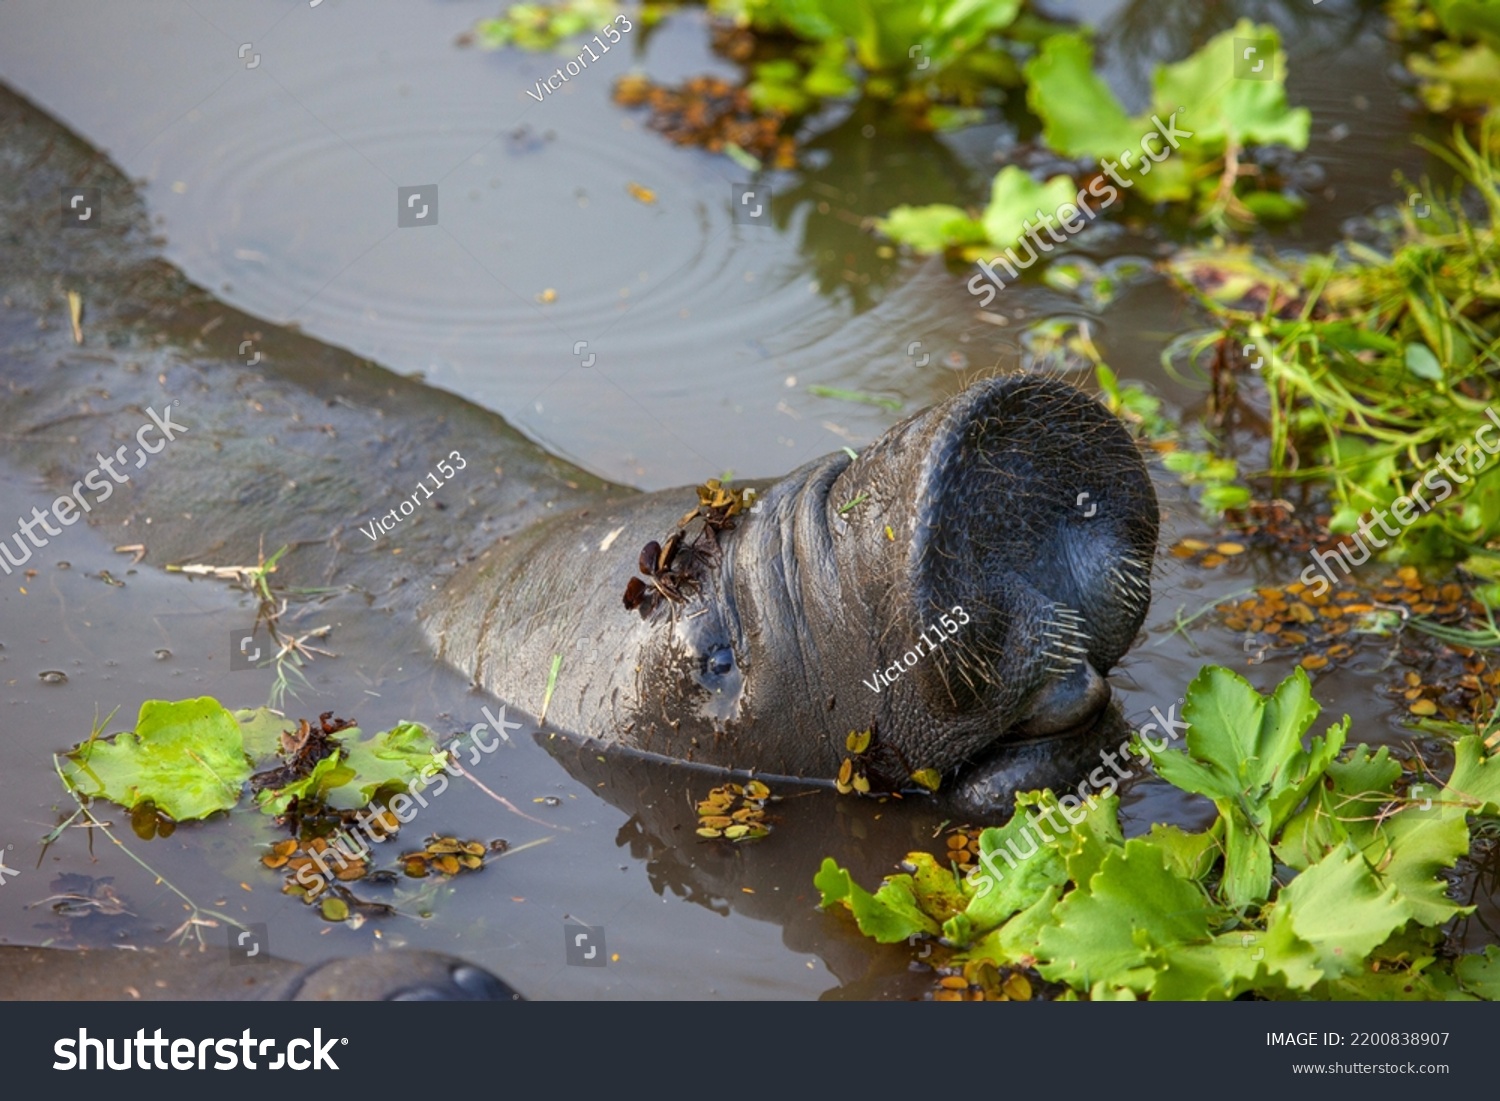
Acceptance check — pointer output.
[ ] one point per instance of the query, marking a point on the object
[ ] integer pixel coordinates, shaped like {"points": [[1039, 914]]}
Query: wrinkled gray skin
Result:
{"points": [[971, 505], [109, 975]]}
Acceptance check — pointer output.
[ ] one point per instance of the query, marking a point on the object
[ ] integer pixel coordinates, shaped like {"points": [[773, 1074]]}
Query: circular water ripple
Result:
{"points": [[555, 228]]}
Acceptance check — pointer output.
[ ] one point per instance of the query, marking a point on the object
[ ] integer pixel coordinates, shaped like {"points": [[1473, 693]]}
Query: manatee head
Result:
{"points": [[961, 589]]}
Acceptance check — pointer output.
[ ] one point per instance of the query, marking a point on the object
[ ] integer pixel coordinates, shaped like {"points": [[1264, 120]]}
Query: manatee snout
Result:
{"points": [[961, 588], [1023, 508]]}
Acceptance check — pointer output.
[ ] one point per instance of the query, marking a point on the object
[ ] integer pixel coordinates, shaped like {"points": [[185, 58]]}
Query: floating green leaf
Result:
{"points": [[1113, 929], [261, 729], [318, 786], [1016, 199], [1341, 912], [186, 757], [1080, 115], [394, 759], [1226, 110], [890, 915], [931, 229], [1481, 974]]}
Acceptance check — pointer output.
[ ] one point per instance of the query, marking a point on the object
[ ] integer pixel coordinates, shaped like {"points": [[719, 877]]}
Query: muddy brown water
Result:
{"points": [[275, 186]]}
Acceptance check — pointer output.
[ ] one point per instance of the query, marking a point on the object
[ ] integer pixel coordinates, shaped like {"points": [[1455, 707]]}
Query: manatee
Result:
{"points": [[960, 589], [161, 975], [945, 590]]}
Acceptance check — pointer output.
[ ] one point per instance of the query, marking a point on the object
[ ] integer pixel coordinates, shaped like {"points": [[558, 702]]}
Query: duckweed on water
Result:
{"points": [[735, 812]]}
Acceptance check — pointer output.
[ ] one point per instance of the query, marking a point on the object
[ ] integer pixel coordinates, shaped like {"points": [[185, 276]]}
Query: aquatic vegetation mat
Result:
{"points": [[1325, 874], [938, 62], [337, 792], [1203, 120], [1455, 52], [190, 759], [1375, 369]]}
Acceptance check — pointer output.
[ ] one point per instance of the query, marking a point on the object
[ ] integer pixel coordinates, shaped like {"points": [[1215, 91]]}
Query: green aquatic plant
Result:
{"points": [[1141, 411], [1232, 96], [1457, 55], [1378, 364], [938, 58], [192, 758], [937, 49], [187, 757], [1216, 477], [1213, 914], [1189, 147], [543, 27]]}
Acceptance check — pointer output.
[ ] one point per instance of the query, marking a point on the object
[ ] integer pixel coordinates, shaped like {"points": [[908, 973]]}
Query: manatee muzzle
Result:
{"points": [[1020, 511]]}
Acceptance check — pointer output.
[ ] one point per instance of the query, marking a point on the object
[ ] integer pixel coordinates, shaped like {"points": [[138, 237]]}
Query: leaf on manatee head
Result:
{"points": [[929, 778]]}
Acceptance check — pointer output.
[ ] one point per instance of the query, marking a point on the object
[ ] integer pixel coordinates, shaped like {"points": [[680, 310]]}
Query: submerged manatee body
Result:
{"points": [[823, 611]]}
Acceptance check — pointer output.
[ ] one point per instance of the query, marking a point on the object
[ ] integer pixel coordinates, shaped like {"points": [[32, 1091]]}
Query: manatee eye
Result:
{"points": [[719, 661]]}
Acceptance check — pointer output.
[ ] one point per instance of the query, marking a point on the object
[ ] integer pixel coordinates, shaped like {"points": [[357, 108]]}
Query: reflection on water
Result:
{"points": [[277, 187]]}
